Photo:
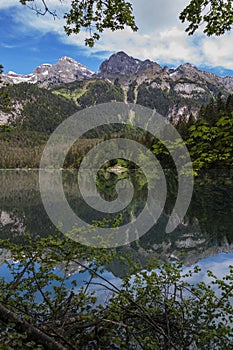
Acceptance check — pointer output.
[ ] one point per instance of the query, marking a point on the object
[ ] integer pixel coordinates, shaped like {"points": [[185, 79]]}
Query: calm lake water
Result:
{"points": [[204, 236]]}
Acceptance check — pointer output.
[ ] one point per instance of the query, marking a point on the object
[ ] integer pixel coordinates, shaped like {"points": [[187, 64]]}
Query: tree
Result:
{"points": [[93, 15], [97, 15], [216, 15], [158, 308], [5, 101], [229, 104]]}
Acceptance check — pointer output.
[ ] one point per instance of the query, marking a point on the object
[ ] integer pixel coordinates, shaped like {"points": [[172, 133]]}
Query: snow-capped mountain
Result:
{"points": [[65, 70]]}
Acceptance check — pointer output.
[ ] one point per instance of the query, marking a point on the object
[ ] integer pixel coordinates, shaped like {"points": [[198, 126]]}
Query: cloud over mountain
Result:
{"points": [[160, 37]]}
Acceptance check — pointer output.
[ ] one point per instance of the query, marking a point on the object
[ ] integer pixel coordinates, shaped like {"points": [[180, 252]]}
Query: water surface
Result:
{"points": [[205, 232]]}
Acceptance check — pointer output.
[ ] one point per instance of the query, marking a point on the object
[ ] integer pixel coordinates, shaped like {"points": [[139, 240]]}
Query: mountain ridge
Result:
{"points": [[108, 69], [65, 70], [175, 93]]}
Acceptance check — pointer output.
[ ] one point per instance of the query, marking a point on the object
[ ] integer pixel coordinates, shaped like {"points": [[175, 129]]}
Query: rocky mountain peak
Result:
{"points": [[67, 59], [67, 63], [186, 66], [120, 64], [184, 70], [66, 70]]}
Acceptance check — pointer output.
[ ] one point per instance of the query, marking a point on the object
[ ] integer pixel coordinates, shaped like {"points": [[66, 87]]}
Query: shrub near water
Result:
{"points": [[155, 309]]}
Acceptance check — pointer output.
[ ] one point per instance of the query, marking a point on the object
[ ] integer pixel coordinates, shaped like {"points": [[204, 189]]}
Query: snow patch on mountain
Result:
{"points": [[66, 70]]}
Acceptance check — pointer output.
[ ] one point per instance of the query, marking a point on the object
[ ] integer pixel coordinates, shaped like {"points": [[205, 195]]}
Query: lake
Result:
{"points": [[205, 235]]}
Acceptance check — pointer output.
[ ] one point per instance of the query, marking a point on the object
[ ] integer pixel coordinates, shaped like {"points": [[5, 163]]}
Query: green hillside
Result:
{"points": [[38, 109], [36, 112]]}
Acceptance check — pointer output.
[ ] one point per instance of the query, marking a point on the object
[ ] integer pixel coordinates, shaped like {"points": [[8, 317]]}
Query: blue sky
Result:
{"points": [[21, 50], [28, 40]]}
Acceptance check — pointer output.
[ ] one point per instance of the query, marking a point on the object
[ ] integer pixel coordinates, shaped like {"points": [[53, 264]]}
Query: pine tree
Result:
{"points": [[220, 104], [229, 104], [5, 101]]}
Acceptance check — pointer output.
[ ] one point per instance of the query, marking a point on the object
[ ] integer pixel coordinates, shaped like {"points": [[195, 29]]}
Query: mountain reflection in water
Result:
{"points": [[205, 231]]}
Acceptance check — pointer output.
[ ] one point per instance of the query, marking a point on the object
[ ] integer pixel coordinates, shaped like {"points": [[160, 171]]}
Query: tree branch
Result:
{"points": [[35, 334]]}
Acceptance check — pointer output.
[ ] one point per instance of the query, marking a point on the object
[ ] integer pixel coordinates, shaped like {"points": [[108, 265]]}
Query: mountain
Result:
{"points": [[175, 93], [128, 68], [65, 70], [35, 108], [120, 64]]}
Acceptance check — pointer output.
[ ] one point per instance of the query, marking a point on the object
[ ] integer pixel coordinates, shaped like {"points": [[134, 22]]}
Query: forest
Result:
{"points": [[208, 136]]}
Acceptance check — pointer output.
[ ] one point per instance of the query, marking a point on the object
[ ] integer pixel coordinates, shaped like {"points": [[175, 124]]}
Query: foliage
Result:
{"points": [[216, 109], [70, 91], [95, 16], [78, 150], [210, 141], [217, 15], [211, 146], [5, 102], [209, 138], [183, 126], [155, 308]]}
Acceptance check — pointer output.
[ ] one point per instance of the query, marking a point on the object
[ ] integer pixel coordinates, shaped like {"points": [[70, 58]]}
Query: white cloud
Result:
{"points": [[161, 36], [7, 46], [218, 264], [154, 15], [170, 45], [219, 50], [5, 4]]}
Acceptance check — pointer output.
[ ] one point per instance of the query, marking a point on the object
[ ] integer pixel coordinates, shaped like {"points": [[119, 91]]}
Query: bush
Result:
{"points": [[156, 308]]}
